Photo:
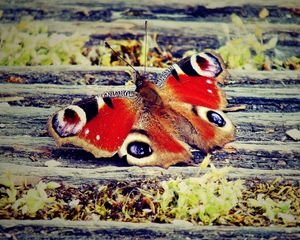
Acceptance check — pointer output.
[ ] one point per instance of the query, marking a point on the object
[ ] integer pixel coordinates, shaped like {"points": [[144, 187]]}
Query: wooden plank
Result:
{"points": [[133, 3], [60, 229], [35, 151], [71, 74], [17, 120], [108, 11], [241, 118], [183, 28], [90, 90], [269, 98], [197, 35], [103, 174]]}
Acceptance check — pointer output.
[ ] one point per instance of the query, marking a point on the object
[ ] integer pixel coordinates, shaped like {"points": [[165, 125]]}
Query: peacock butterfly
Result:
{"points": [[160, 124]]}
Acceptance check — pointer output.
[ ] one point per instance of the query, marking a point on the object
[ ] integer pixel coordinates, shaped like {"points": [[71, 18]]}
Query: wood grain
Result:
{"points": [[262, 150], [117, 230]]}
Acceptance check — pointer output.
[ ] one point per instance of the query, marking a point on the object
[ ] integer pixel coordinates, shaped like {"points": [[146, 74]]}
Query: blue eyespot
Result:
{"points": [[139, 149], [216, 118]]}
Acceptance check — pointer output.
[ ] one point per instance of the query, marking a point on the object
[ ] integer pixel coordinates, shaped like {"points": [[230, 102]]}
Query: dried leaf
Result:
{"points": [[14, 79], [235, 108], [229, 149], [258, 32], [53, 163], [264, 13], [237, 21], [206, 161], [53, 185], [294, 134], [271, 43]]}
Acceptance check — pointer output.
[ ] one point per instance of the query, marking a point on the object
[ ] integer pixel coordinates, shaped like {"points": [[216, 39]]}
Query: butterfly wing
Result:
{"points": [[104, 126], [99, 125], [153, 142], [190, 88], [194, 80], [154, 128], [210, 128]]}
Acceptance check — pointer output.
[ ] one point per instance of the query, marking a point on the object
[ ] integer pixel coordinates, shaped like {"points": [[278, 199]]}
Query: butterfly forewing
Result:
{"points": [[195, 81], [102, 132]]}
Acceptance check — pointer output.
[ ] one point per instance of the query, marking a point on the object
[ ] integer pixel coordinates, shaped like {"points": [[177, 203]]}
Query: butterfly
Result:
{"points": [[161, 123]]}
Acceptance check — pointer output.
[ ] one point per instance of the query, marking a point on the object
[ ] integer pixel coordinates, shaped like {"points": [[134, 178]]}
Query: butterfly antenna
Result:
{"points": [[146, 45], [118, 55]]}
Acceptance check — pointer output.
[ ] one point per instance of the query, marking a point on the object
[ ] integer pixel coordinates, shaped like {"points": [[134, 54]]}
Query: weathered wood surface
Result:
{"points": [[262, 150], [19, 120], [112, 230], [269, 97], [186, 10], [104, 174], [261, 138], [197, 22], [272, 101], [72, 74]]}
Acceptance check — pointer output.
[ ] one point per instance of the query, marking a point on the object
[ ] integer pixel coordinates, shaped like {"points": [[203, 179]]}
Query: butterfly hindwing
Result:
{"points": [[210, 128], [152, 142]]}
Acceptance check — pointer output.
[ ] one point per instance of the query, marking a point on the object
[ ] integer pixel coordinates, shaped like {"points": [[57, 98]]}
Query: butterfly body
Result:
{"points": [[160, 124]]}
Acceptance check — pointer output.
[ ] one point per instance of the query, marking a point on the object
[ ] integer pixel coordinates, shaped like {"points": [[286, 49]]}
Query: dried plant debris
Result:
{"points": [[252, 50], [294, 134], [31, 43], [267, 204], [206, 199], [133, 51]]}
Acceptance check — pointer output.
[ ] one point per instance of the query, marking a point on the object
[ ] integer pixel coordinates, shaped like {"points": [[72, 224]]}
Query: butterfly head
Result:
{"points": [[139, 80]]}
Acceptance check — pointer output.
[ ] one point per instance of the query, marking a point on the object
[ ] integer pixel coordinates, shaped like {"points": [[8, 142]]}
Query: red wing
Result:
{"points": [[194, 80], [99, 126], [152, 142], [119, 125], [190, 88], [211, 128]]}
